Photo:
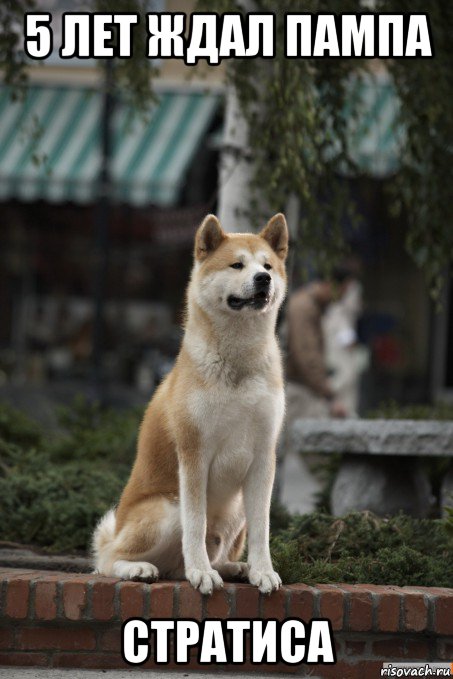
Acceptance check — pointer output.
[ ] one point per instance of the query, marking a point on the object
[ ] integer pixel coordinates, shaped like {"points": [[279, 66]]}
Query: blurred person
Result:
{"points": [[309, 391], [346, 359]]}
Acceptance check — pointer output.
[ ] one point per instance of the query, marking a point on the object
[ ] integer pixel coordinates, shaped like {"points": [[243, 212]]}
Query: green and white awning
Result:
{"points": [[50, 142], [50, 145], [375, 136]]}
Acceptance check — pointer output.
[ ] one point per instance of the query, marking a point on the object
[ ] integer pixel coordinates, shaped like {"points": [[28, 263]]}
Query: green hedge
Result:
{"points": [[54, 487], [361, 547], [391, 410]]}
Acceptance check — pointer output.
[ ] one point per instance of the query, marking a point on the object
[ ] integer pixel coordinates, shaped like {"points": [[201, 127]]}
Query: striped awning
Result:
{"points": [[50, 145], [375, 136]]}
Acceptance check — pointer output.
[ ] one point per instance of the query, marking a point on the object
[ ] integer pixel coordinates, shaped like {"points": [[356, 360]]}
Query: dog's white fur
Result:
{"points": [[206, 451]]}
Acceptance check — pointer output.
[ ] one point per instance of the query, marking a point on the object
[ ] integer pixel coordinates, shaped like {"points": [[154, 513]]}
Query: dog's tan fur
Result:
{"points": [[206, 449]]}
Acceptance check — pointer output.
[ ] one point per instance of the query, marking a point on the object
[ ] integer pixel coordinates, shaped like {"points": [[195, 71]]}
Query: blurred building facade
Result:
{"points": [[164, 178]]}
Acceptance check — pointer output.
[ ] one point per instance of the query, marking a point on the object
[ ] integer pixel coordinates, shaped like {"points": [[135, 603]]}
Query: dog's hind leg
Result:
{"points": [[238, 545], [146, 542], [135, 570], [230, 550], [232, 568]]}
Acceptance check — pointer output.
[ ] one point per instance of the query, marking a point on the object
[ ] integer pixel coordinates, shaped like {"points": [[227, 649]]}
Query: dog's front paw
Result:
{"points": [[204, 580], [267, 580]]}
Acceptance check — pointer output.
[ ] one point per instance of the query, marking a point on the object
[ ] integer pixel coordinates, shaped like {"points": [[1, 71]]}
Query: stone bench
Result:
{"points": [[380, 469]]}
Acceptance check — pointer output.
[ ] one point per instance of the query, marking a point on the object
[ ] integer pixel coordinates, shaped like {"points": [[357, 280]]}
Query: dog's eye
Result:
{"points": [[237, 265], [268, 267]]}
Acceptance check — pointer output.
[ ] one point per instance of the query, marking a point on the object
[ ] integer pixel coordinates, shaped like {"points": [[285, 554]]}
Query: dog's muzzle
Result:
{"points": [[260, 298]]}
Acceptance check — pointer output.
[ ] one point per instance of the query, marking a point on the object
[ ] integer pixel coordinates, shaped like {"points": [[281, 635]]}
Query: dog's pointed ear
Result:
{"points": [[276, 234], [208, 238]]}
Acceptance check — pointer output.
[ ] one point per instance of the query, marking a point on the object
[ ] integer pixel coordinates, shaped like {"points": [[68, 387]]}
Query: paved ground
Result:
{"points": [[30, 673]]}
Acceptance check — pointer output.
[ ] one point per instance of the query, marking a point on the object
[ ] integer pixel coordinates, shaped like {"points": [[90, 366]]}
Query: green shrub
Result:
{"points": [[392, 410], [95, 434], [361, 547], [54, 506], [53, 489], [16, 427]]}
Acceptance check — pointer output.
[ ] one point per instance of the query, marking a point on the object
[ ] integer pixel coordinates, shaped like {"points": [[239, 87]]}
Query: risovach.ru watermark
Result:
{"points": [[423, 669]]}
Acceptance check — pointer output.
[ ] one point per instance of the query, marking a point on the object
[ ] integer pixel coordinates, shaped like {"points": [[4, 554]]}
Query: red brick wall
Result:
{"points": [[51, 619]]}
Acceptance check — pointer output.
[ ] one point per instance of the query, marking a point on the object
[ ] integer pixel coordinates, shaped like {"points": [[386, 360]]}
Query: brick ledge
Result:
{"points": [[55, 619]]}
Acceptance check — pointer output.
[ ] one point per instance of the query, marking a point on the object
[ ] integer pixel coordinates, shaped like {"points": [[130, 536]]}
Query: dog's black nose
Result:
{"points": [[262, 280]]}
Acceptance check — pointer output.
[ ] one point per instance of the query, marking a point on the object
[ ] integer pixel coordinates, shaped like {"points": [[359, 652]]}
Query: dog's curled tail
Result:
{"points": [[103, 537]]}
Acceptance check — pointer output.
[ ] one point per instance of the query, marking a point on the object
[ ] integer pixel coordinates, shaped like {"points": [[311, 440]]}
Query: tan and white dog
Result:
{"points": [[206, 451]]}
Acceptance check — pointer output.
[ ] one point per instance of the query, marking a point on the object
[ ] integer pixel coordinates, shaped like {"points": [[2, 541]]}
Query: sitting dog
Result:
{"points": [[205, 462]]}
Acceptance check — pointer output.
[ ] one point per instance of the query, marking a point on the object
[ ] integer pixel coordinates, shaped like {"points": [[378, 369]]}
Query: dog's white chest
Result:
{"points": [[235, 424], [225, 413]]}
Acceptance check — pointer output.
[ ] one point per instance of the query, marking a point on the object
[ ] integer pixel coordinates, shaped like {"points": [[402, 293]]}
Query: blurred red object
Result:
{"points": [[388, 352]]}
